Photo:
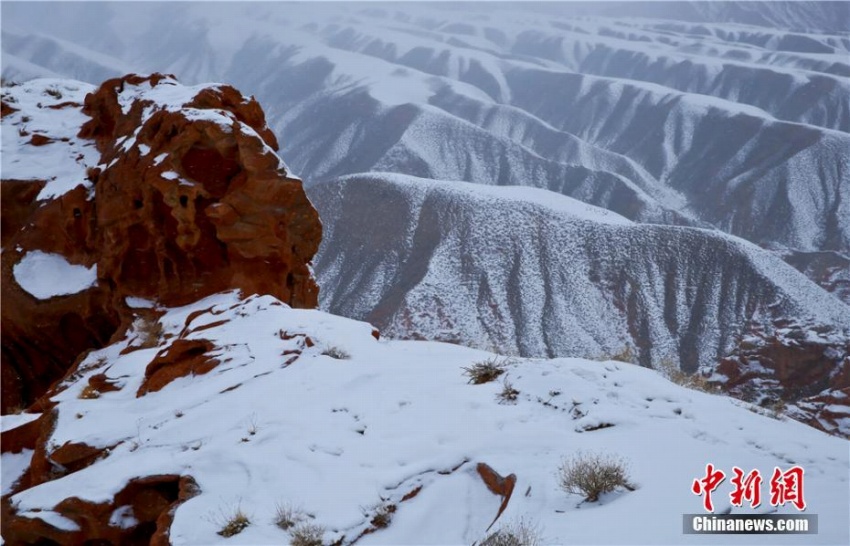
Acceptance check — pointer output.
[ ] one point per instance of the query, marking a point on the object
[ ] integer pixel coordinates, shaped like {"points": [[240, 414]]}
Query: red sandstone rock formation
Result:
{"points": [[498, 485], [184, 197], [152, 500], [171, 194], [801, 372]]}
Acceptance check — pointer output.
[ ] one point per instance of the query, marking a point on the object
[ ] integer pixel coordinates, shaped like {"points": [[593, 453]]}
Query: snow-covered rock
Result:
{"points": [[141, 188], [309, 410]]}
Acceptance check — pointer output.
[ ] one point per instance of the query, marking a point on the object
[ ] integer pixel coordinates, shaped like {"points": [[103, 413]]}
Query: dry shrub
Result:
{"points": [[508, 394], [517, 534], [383, 516], [485, 371], [234, 524], [592, 474], [307, 534], [337, 353], [287, 516]]}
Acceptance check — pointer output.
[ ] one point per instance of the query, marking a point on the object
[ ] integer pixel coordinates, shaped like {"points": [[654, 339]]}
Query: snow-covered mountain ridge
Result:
{"points": [[463, 230], [713, 123], [526, 272]]}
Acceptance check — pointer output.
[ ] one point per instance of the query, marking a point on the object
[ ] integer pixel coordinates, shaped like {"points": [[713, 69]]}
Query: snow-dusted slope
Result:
{"points": [[280, 421], [525, 271], [40, 136], [40, 55], [682, 114]]}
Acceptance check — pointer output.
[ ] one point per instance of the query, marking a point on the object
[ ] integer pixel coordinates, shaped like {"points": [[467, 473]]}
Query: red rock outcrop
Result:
{"points": [[804, 371], [498, 485], [150, 501], [183, 357], [170, 194], [185, 197], [216, 211]]}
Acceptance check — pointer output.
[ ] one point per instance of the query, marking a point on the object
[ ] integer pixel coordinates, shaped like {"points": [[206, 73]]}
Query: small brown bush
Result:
{"points": [[508, 394], [336, 352], [485, 371], [307, 534], [592, 474], [518, 534], [287, 516], [383, 516], [234, 524]]}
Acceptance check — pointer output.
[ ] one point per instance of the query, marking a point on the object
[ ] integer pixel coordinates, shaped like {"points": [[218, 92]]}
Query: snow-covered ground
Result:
{"points": [[354, 423], [48, 108]]}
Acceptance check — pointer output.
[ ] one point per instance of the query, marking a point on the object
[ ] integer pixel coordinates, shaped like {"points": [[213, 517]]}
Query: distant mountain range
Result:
{"points": [[726, 118]]}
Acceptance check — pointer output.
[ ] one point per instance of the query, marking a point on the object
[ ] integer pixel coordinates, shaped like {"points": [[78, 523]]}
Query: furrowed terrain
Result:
{"points": [[730, 125]]}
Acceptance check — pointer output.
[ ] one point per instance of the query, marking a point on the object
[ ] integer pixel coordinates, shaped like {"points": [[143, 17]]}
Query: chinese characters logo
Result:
{"points": [[785, 487]]}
